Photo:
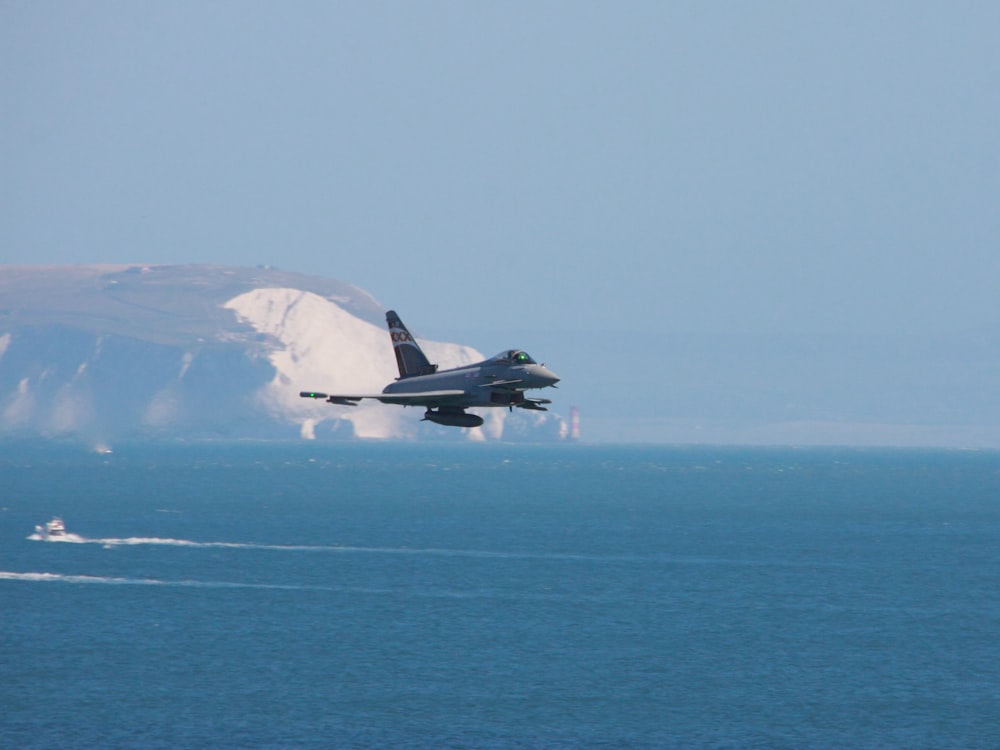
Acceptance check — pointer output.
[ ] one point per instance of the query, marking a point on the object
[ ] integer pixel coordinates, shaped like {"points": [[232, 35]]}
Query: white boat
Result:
{"points": [[53, 528]]}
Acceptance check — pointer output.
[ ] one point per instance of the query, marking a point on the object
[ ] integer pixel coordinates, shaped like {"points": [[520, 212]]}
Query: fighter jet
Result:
{"points": [[446, 394]]}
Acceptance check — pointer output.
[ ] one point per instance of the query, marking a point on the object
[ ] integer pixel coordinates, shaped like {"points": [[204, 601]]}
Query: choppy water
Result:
{"points": [[402, 596]]}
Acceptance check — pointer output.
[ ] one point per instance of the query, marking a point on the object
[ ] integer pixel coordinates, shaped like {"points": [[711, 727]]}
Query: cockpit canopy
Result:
{"points": [[515, 357]]}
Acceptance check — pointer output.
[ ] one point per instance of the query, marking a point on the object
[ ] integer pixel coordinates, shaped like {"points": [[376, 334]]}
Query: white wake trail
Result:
{"points": [[6, 575], [444, 593], [139, 540], [110, 542]]}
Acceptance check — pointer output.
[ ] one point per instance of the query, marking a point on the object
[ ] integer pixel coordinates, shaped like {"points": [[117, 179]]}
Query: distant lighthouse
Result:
{"points": [[574, 423]]}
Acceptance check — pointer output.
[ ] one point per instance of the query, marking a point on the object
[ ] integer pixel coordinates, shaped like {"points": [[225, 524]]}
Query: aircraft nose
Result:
{"points": [[545, 376]]}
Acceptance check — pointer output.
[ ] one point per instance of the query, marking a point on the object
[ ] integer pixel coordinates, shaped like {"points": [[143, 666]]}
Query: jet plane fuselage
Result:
{"points": [[498, 381], [446, 394]]}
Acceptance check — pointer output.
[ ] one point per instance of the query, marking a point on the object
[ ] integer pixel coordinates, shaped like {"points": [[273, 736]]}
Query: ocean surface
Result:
{"points": [[342, 595]]}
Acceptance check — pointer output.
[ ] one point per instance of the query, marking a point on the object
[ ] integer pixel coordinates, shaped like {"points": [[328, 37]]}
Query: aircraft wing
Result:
{"points": [[419, 398]]}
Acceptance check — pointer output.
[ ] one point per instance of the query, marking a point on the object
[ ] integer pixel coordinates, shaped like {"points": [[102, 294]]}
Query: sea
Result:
{"points": [[396, 595]]}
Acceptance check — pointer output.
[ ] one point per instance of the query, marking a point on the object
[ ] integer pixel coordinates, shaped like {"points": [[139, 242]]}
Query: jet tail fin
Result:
{"points": [[409, 357]]}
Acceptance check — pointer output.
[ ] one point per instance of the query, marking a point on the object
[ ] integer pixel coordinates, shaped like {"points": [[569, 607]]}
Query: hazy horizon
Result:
{"points": [[564, 175]]}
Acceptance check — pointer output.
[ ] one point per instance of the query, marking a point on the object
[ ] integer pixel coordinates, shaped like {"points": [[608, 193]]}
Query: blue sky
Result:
{"points": [[703, 168]]}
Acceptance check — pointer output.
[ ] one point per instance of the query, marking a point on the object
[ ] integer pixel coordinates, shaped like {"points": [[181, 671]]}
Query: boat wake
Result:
{"points": [[111, 542], [132, 541], [44, 534], [55, 531], [578, 557], [6, 575], [430, 593], [138, 540], [73, 538]]}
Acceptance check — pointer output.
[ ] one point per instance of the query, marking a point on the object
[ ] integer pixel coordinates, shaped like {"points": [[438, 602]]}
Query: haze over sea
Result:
{"points": [[497, 596]]}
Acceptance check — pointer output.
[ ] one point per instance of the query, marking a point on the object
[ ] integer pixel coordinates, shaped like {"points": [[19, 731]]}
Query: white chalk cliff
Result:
{"points": [[103, 353], [320, 346]]}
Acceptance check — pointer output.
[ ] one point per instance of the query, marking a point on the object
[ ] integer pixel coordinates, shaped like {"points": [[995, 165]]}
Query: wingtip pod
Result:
{"points": [[312, 394]]}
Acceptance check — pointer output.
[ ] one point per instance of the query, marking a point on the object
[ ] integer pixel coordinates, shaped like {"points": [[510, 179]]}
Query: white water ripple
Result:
{"points": [[434, 593], [110, 542], [6, 575]]}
